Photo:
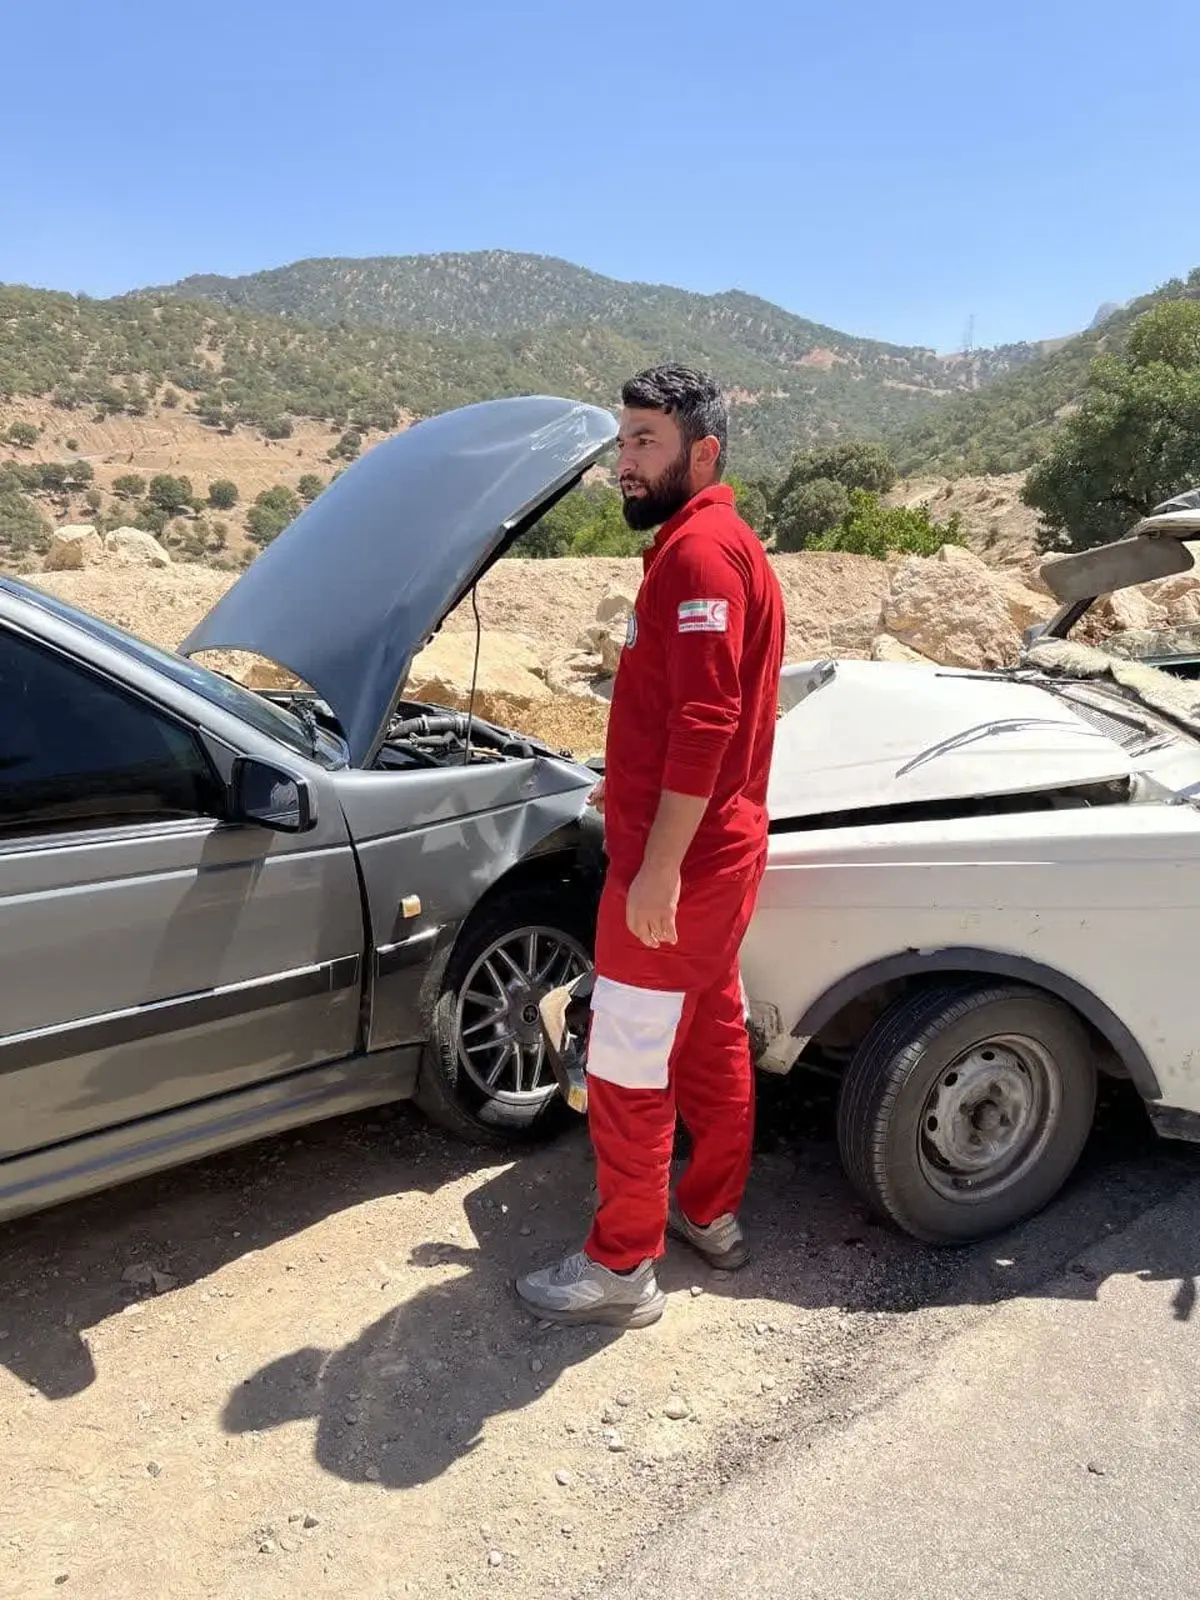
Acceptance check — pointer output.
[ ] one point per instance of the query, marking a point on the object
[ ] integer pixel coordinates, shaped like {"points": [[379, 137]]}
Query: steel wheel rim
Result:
{"points": [[497, 1025], [987, 1120]]}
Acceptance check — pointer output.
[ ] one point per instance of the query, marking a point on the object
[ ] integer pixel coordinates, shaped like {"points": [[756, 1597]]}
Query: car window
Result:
{"points": [[252, 708], [76, 751]]}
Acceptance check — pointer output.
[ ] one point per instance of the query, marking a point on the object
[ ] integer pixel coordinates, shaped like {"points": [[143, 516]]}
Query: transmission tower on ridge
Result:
{"points": [[969, 335]]}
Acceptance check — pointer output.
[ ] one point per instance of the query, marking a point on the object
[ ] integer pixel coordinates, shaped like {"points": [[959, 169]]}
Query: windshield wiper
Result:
{"points": [[988, 730]]}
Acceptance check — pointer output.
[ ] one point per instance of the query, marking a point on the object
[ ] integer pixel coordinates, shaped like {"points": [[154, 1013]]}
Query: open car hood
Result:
{"points": [[357, 584]]}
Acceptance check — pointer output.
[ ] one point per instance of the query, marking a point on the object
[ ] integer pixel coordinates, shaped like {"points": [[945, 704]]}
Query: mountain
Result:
{"points": [[1006, 426], [1103, 313], [793, 381]]}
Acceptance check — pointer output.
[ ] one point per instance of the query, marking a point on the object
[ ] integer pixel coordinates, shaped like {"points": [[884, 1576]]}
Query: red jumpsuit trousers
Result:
{"points": [[668, 1034]]}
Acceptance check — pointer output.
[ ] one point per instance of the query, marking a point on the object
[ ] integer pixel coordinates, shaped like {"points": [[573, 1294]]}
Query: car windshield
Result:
{"points": [[261, 714]]}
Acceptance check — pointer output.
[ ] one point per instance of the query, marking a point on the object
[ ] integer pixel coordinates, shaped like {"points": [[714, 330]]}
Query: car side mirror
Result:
{"points": [[270, 797]]}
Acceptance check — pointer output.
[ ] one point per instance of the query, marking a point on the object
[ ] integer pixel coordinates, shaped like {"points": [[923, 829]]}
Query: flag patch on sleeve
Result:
{"points": [[703, 616]]}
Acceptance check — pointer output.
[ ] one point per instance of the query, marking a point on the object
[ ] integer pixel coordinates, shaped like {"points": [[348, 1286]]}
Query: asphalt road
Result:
{"points": [[1049, 1450]]}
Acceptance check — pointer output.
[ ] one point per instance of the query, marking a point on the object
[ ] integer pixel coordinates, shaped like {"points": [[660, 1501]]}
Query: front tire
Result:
{"points": [[966, 1108], [485, 1075]]}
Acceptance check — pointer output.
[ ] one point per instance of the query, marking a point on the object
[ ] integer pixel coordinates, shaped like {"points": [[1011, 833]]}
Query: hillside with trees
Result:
{"points": [[1009, 424]]}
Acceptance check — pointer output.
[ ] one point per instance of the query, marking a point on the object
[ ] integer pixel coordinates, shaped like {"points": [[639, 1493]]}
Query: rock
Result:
{"points": [[162, 1281], [140, 1273], [72, 547], [1131, 611], [1025, 605], [266, 1547], [495, 1558], [950, 614], [563, 1478], [154, 1469], [309, 1521], [851, 636], [616, 605], [290, 1545], [885, 648], [677, 1409], [625, 1397], [614, 1442], [609, 1415], [536, 1366], [442, 672], [134, 547], [372, 1474], [266, 675], [1178, 596]]}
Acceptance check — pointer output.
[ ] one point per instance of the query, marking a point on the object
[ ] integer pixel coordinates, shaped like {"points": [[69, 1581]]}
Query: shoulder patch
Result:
{"points": [[703, 616]]}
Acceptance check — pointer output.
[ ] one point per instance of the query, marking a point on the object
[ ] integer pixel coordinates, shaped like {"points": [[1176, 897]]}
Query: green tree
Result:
{"points": [[54, 476], [93, 500], [129, 486], [23, 434], [855, 464], [270, 514], [348, 446], [72, 444], [309, 487], [80, 474], [223, 494], [751, 502], [170, 494], [1135, 439], [810, 509], [873, 529], [22, 527]]}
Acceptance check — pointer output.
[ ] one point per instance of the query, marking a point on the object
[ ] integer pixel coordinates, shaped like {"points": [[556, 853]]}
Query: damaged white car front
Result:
{"points": [[982, 894]]}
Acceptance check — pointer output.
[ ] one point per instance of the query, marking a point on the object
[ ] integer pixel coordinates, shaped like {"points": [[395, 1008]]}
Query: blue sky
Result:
{"points": [[887, 166]]}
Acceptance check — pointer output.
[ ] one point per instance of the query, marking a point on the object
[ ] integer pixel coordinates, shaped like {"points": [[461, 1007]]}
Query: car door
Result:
{"points": [[152, 954]]}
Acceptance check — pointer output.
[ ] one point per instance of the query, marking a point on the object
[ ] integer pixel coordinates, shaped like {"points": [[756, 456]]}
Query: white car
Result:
{"points": [[983, 892]]}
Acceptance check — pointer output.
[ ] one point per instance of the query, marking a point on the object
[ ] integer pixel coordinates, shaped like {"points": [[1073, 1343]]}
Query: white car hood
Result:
{"points": [[890, 734]]}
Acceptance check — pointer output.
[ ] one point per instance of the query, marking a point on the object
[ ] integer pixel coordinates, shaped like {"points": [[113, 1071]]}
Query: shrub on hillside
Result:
{"points": [[223, 494], [22, 527], [270, 514], [809, 510], [872, 529], [309, 487], [129, 486], [23, 434]]}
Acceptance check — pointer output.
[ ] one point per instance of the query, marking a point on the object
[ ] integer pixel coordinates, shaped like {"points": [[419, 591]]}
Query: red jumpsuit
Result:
{"points": [[693, 711]]}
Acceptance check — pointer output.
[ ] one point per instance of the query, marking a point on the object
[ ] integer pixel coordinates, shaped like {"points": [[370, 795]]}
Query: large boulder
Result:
{"points": [[134, 547], [1025, 605], [1178, 596], [72, 547], [1129, 611], [509, 668], [885, 648], [950, 614], [605, 637]]}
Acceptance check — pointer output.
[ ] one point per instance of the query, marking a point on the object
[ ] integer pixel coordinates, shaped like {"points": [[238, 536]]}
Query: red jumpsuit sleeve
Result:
{"points": [[703, 599]]}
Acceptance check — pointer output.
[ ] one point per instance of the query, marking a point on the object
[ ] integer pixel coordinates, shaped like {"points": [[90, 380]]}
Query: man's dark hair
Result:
{"points": [[694, 399]]}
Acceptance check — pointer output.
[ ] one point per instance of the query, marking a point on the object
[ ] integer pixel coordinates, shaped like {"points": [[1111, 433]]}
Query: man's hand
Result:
{"points": [[651, 905], [596, 798]]}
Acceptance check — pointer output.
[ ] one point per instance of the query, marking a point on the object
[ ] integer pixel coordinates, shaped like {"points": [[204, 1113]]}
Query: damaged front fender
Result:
{"points": [[431, 846]]}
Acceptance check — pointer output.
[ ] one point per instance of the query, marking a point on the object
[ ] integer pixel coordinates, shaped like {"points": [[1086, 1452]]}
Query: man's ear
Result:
{"points": [[705, 454]]}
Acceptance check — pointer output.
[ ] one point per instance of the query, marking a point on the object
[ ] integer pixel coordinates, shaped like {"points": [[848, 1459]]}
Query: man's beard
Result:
{"points": [[661, 500]]}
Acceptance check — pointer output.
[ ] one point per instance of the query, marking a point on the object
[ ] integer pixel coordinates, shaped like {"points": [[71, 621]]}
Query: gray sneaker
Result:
{"points": [[722, 1243], [581, 1290]]}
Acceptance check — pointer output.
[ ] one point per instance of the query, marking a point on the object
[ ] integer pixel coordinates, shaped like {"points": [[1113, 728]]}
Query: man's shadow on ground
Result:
{"points": [[414, 1392]]}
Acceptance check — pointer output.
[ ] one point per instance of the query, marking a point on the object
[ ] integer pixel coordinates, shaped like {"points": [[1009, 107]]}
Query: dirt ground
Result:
{"points": [[299, 1369]]}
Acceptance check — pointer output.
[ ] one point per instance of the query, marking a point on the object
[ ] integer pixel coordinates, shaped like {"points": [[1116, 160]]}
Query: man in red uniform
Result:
{"points": [[684, 801]]}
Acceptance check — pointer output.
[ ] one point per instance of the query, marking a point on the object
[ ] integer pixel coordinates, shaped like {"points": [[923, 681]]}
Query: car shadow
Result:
{"points": [[69, 1268], [416, 1390]]}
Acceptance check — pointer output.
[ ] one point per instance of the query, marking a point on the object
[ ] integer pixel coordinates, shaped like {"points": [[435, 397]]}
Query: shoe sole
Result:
{"points": [[731, 1260], [639, 1316]]}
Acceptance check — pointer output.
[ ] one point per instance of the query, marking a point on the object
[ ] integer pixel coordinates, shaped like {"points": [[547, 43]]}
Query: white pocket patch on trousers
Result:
{"points": [[633, 1034]]}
